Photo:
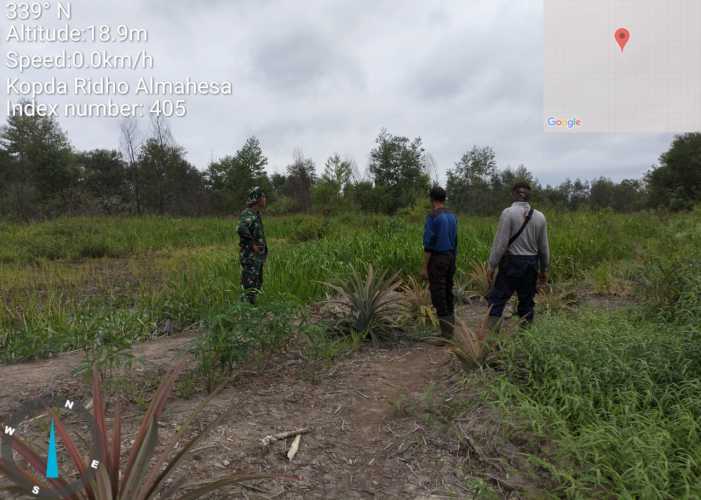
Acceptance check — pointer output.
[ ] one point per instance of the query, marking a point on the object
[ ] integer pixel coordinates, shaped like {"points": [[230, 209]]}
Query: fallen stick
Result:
{"points": [[294, 448], [268, 440]]}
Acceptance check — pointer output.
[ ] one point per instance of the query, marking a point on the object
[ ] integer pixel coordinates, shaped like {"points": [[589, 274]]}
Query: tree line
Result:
{"points": [[42, 175]]}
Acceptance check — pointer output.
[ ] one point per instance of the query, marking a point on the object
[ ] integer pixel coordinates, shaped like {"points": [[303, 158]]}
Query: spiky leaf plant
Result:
{"points": [[419, 308], [468, 345], [478, 278], [367, 302], [143, 476]]}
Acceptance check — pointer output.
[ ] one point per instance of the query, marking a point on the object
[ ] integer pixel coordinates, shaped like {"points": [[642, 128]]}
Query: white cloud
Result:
{"points": [[326, 76]]}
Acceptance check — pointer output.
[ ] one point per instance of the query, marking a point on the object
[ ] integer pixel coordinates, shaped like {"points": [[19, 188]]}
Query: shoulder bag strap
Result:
{"points": [[525, 223]]}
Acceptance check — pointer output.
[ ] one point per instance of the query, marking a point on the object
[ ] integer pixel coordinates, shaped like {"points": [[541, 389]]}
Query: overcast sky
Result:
{"points": [[325, 76]]}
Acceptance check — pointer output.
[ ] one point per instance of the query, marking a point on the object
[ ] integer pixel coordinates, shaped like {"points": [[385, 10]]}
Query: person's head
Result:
{"points": [[438, 196], [521, 191], [257, 198]]}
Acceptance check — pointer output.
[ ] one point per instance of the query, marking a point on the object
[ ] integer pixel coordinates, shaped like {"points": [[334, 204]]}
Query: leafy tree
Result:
{"points": [[105, 176], [676, 183], [468, 185], [328, 193], [326, 197], [15, 196], [552, 196], [7, 169], [231, 178], [574, 193], [630, 195], [277, 184], [602, 193], [503, 182], [398, 167], [366, 196], [43, 157], [477, 165], [170, 183], [338, 172]]}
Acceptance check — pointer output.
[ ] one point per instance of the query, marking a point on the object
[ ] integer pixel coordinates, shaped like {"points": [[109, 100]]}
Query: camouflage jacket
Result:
{"points": [[251, 232]]}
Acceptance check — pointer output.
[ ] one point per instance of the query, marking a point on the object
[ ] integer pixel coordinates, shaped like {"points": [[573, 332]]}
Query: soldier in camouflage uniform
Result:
{"points": [[254, 249]]}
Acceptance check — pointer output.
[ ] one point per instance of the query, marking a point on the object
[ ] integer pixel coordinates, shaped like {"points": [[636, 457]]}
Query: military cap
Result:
{"points": [[254, 195]]}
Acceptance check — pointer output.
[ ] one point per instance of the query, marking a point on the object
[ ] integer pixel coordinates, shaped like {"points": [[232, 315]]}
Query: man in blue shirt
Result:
{"points": [[440, 248]]}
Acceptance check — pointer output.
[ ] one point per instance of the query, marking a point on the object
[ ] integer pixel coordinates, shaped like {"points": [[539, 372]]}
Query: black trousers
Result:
{"points": [[519, 274], [441, 273]]}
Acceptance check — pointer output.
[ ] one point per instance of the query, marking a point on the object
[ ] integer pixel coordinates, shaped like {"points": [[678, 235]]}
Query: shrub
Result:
{"points": [[367, 302], [235, 332], [309, 229]]}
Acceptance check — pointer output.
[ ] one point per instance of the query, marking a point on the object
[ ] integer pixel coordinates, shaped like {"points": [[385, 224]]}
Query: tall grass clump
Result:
{"points": [[620, 398]]}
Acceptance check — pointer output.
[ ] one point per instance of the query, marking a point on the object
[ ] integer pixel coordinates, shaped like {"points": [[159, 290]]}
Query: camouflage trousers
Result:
{"points": [[251, 276]]}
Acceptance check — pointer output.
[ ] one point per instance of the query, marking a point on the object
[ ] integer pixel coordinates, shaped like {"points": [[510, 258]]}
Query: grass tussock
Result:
{"points": [[419, 308]]}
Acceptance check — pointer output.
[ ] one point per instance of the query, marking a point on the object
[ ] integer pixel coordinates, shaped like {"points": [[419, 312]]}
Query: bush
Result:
{"points": [[309, 229], [367, 302], [235, 332]]}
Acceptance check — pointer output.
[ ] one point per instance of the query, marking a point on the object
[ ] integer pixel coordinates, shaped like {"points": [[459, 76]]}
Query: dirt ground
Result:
{"points": [[389, 422]]}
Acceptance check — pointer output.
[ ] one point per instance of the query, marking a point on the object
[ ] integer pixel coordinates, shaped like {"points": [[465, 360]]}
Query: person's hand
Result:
{"points": [[257, 249], [424, 273], [490, 276], [542, 280]]}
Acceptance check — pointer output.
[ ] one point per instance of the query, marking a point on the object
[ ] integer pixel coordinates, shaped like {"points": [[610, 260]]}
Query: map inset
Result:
{"points": [[622, 66]]}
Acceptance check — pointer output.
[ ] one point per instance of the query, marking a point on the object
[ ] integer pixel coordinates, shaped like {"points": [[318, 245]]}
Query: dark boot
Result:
{"points": [[249, 296], [447, 324]]}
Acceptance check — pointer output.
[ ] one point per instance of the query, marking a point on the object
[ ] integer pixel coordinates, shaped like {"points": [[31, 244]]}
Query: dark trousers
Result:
{"points": [[441, 273], [251, 278], [519, 274]]}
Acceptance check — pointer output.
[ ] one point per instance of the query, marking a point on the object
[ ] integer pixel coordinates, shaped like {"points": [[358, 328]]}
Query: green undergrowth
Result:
{"points": [[621, 397], [64, 280]]}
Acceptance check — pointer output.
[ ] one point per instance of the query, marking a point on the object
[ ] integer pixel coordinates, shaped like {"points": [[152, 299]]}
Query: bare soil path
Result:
{"points": [[367, 438], [358, 445], [24, 381]]}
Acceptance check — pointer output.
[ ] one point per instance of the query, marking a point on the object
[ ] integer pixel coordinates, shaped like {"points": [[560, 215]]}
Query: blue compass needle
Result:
{"points": [[52, 460]]}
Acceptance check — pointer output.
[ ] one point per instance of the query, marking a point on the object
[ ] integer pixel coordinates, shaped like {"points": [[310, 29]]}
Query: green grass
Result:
{"points": [[621, 398], [619, 394], [63, 278]]}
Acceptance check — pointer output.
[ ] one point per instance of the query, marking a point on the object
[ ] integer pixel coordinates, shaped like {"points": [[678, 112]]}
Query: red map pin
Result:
{"points": [[622, 37]]}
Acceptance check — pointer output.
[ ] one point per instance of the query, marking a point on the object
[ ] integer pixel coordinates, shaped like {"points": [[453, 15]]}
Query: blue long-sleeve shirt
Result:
{"points": [[441, 232]]}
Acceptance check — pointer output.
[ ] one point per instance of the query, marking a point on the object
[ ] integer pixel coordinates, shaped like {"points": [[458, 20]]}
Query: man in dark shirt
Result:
{"points": [[440, 248]]}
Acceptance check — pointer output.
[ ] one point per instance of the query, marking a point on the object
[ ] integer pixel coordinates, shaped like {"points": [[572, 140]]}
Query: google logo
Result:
{"points": [[554, 122]]}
